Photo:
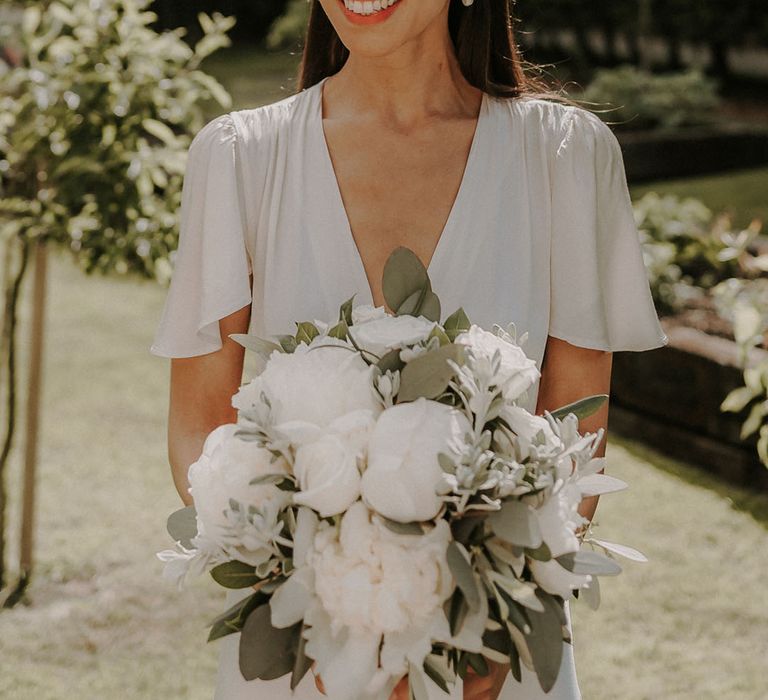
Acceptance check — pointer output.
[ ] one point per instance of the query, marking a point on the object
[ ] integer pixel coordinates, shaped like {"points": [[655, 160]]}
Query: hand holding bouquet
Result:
{"points": [[394, 504]]}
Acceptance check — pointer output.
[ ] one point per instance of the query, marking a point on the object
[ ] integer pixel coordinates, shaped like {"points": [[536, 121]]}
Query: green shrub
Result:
{"points": [[94, 130], [636, 99], [288, 31]]}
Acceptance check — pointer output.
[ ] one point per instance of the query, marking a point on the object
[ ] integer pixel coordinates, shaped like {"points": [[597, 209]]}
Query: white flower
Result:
{"points": [[327, 467], [370, 578], [388, 332], [558, 518], [223, 473], [367, 312], [518, 372], [531, 430], [403, 478], [317, 384]]}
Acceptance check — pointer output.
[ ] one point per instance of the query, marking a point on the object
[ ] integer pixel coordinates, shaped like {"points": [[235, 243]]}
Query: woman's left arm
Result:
{"points": [[568, 373]]}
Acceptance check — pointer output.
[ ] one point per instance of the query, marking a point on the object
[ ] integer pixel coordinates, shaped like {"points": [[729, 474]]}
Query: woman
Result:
{"points": [[415, 126]]}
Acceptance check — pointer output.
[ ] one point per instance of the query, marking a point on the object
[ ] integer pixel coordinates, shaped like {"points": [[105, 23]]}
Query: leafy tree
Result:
{"points": [[94, 129]]}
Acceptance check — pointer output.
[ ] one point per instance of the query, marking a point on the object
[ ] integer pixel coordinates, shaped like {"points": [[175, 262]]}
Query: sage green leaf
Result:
{"points": [[306, 332], [412, 304], [402, 528], [302, 664], [517, 524], [461, 569], [233, 619], [456, 612], [581, 408], [428, 374], [456, 323], [545, 641], [182, 526], [340, 330], [345, 311], [587, 562], [439, 333], [391, 361], [258, 345], [235, 574], [498, 640], [404, 275], [287, 342], [437, 668], [478, 663], [267, 652], [430, 306], [621, 549], [514, 663], [540, 553]]}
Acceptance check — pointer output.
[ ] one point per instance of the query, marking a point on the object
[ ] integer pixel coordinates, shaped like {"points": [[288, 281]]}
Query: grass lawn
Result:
{"points": [[102, 624]]}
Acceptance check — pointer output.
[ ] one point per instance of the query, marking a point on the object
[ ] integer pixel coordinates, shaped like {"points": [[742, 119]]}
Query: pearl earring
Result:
{"points": [[467, 3]]}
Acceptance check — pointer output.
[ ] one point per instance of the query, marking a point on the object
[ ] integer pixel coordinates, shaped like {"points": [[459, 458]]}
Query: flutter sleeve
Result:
{"points": [[600, 294], [211, 271]]}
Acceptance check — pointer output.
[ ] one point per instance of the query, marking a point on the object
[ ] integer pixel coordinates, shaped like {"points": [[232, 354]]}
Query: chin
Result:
{"points": [[375, 29]]}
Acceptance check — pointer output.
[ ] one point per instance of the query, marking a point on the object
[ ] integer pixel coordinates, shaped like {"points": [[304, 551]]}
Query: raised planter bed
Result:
{"points": [[691, 151], [670, 398]]}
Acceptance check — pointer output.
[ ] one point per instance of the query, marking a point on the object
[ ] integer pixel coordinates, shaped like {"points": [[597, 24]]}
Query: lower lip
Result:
{"points": [[374, 18]]}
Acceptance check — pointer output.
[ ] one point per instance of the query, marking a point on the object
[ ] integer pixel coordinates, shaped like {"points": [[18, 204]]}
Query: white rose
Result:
{"points": [[315, 384], [224, 471], [403, 476], [388, 332], [327, 467], [367, 312], [518, 372]]}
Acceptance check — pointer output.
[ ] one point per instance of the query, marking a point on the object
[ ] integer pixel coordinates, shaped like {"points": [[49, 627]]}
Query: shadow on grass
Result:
{"points": [[741, 499]]}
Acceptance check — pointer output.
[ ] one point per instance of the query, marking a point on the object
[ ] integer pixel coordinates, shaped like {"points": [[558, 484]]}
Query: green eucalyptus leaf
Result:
{"points": [[233, 619], [430, 306], [456, 323], [404, 275], [302, 664], [412, 304], [391, 361], [267, 652], [306, 332], [259, 345], [287, 342], [587, 562], [581, 408], [182, 526], [345, 311], [235, 574], [440, 334], [456, 610], [429, 374], [517, 524], [340, 330], [463, 574], [545, 641]]}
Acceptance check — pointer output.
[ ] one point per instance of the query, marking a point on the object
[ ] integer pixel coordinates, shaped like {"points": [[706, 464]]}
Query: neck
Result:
{"points": [[408, 86]]}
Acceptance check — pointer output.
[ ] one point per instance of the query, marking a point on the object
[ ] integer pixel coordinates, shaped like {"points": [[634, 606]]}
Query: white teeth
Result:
{"points": [[368, 7]]}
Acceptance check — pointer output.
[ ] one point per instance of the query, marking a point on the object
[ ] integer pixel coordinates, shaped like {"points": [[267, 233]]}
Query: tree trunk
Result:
{"points": [[8, 368]]}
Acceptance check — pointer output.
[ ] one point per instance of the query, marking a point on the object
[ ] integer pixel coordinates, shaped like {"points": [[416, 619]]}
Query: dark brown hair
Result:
{"points": [[483, 37]]}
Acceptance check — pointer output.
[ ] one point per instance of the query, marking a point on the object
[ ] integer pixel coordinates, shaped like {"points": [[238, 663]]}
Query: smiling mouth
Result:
{"points": [[369, 8]]}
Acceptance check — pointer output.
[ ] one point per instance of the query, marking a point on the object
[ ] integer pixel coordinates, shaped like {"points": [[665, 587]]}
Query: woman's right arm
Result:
{"points": [[201, 397]]}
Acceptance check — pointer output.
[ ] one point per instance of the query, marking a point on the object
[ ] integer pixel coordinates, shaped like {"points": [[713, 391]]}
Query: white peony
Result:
{"points": [[384, 333], [372, 579], [317, 384], [223, 473], [518, 372], [327, 467], [362, 313], [404, 479]]}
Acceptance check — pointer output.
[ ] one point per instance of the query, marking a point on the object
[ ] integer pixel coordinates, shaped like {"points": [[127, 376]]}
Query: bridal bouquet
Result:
{"points": [[394, 506]]}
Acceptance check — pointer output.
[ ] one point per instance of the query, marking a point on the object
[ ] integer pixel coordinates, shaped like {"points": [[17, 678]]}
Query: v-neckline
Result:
{"points": [[340, 209]]}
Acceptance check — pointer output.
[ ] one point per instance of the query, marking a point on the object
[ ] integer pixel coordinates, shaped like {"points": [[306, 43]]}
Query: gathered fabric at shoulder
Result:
{"points": [[600, 294], [212, 266]]}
